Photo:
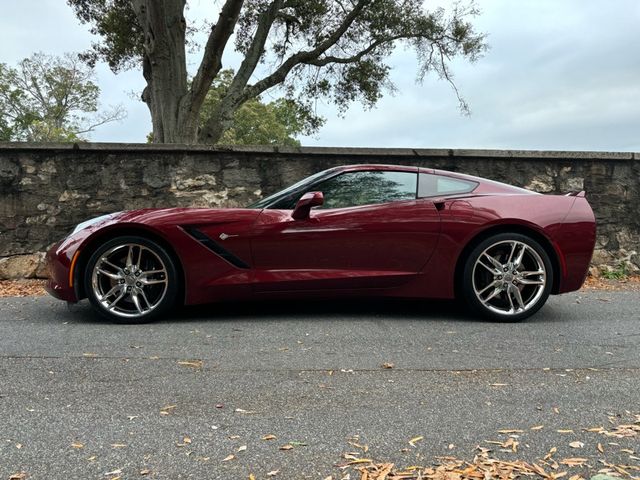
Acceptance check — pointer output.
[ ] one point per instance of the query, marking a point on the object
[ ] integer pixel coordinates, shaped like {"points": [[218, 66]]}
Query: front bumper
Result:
{"points": [[60, 282]]}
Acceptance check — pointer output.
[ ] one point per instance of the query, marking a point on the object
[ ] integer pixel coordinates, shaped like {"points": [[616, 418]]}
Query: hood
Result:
{"points": [[182, 216]]}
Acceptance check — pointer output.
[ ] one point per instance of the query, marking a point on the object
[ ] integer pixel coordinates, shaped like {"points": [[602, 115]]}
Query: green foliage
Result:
{"points": [[619, 273], [115, 22], [49, 99], [278, 122]]}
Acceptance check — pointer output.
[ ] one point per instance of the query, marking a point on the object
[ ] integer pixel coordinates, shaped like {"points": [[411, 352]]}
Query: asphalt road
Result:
{"points": [[82, 399]]}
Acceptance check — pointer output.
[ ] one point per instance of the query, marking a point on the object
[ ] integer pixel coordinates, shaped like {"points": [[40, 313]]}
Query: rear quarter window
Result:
{"points": [[430, 185]]}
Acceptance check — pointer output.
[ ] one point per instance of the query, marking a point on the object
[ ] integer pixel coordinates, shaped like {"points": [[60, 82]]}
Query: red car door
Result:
{"points": [[353, 247]]}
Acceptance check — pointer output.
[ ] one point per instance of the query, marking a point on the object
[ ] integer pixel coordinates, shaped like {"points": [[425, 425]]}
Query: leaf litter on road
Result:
{"points": [[485, 466]]}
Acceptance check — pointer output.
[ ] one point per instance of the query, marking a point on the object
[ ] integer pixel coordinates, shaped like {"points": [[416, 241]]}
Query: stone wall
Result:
{"points": [[47, 189]]}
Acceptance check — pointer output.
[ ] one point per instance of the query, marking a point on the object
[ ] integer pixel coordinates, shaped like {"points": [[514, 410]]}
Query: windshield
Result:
{"points": [[284, 198]]}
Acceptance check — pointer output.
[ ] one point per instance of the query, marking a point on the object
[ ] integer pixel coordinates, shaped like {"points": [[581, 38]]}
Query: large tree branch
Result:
{"points": [[305, 56], [234, 94], [327, 59], [216, 43], [248, 65]]}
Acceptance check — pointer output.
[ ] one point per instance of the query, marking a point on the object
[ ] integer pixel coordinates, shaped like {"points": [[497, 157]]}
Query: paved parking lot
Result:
{"points": [[83, 399]]}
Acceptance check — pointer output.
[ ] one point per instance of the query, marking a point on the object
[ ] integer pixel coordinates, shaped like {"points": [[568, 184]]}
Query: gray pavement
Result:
{"points": [[80, 398]]}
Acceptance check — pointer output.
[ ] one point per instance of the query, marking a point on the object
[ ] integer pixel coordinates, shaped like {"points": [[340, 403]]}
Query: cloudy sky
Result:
{"points": [[560, 74]]}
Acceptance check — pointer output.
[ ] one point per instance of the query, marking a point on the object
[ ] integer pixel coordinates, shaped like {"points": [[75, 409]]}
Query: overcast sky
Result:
{"points": [[560, 74]]}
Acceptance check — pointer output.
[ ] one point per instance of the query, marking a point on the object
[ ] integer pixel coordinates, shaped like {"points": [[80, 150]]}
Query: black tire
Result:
{"points": [[153, 281], [491, 291]]}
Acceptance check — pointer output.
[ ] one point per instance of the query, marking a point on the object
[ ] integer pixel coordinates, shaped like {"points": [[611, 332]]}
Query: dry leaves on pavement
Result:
{"points": [[486, 466], [22, 288]]}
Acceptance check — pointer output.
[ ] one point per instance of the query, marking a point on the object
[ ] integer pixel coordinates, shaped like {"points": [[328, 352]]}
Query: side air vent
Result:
{"points": [[215, 247]]}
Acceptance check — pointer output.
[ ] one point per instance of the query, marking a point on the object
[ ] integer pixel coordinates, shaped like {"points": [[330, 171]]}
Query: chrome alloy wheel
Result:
{"points": [[129, 280], [509, 277]]}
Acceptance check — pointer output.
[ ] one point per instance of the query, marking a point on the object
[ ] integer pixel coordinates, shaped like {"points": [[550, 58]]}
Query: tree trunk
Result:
{"points": [[216, 125], [165, 70]]}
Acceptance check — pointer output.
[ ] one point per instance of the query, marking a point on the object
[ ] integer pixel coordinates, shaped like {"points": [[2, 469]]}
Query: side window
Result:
{"points": [[435, 185], [364, 188]]}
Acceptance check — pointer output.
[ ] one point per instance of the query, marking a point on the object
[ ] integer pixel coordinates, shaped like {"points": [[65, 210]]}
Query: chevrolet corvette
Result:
{"points": [[356, 230]]}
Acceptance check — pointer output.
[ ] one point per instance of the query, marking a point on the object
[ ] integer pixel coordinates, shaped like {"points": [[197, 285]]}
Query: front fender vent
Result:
{"points": [[215, 247]]}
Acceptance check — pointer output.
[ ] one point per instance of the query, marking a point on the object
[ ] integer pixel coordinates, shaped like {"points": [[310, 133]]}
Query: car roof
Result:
{"points": [[485, 185], [380, 166]]}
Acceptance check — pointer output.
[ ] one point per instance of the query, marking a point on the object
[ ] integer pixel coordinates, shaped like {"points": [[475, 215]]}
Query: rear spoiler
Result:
{"points": [[575, 194]]}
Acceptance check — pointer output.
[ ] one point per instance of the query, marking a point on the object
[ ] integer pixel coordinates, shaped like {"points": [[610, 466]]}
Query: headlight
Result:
{"points": [[88, 223]]}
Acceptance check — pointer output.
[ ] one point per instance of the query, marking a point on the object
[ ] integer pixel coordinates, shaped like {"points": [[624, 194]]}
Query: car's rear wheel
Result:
{"points": [[507, 277], [131, 279]]}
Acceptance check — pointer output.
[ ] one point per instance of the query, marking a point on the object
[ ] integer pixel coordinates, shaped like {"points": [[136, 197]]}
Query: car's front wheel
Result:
{"points": [[131, 279], [507, 277]]}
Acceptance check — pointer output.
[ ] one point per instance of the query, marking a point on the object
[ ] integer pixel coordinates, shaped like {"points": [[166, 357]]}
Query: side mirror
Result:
{"points": [[308, 200]]}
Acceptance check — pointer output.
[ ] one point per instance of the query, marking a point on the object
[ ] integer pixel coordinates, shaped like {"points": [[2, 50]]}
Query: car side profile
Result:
{"points": [[356, 230]]}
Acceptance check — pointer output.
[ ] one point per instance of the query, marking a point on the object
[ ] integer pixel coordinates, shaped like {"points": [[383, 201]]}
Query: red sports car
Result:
{"points": [[357, 230]]}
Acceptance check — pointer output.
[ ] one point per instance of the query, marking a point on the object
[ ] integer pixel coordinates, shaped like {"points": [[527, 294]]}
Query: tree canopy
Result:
{"points": [[50, 99], [337, 50]]}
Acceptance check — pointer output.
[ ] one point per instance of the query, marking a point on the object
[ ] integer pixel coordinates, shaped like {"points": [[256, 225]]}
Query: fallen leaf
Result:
{"points": [[18, 476], [90, 355], [118, 445], [242, 448], [19, 446], [146, 471], [269, 437], [286, 447], [573, 462], [273, 473], [537, 427], [600, 448], [387, 365], [413, 441], [167, 410], [451, 446], [228, 457], [511, 431], [498, 384], [576, 444], [246, 412], [594, 429], [512, 444], [115, 472], [186, 440], [567, 430], [77, 445], [191, 363], [551, 453]]}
